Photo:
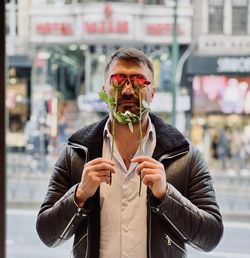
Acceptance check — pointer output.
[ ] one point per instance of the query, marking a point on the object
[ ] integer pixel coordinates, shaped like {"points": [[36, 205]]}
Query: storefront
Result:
{"points": [[73, 41], [87, 33], [18, 100], [221, 98], [71, 45]]}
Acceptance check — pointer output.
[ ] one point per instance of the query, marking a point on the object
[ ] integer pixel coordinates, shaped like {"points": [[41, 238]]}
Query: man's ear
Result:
{"points": [[153, 91], [103, 88]]}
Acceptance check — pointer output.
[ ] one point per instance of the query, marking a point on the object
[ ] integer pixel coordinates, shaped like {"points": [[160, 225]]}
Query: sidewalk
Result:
{"points": [[233, 193]]}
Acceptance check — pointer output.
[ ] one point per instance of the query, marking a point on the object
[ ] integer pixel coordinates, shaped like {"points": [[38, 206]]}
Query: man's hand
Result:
{"points": [[152, 175], [94, 173]]}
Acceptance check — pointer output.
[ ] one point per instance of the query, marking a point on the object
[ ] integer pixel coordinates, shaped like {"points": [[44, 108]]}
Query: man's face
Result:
{"points": [[128, 97]]}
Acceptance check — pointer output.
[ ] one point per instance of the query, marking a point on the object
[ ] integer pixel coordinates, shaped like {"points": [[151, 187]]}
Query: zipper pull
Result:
{"points": [[78, 211], [168, 239]]}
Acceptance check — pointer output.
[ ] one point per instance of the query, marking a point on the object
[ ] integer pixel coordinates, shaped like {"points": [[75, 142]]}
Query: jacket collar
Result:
{"points": [[168, 139]]}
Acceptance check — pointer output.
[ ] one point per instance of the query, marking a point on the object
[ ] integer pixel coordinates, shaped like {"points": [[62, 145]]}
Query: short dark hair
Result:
{"points": [[129, 54]]}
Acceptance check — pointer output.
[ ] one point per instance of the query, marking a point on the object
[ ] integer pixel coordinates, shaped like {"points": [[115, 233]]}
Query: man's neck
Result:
{"points": [[126, 141]]}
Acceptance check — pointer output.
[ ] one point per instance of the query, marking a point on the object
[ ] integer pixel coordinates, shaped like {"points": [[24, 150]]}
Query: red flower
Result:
{"points": [[117, 80], [140, 81]]}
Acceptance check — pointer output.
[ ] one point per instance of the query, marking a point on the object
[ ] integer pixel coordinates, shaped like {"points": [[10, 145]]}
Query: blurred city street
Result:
{"points": [[56, 53]]}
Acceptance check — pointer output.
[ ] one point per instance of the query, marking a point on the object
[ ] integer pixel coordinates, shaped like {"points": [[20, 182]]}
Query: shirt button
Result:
{"points": [[125, 203]]}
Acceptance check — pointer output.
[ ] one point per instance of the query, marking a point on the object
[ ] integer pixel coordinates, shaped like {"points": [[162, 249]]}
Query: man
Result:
{"points": [[130, 187]]}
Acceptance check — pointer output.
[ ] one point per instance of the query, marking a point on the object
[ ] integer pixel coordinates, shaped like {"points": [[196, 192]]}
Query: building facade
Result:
{"points": [[71, 39], [19, 70], [219, 69], [67, 42]]}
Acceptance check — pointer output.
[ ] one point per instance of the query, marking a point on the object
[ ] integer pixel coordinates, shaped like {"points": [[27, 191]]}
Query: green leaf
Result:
{"points": [[118, 117], [115, 83], [130, 125], [103, 96], [145, 104], [107, 99]]}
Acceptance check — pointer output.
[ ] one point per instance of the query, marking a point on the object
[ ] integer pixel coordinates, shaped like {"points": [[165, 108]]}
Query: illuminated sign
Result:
{"points": [[224, 94], [106, 26], [54, 28], [233, 64], [102, 22], [162, 29]]}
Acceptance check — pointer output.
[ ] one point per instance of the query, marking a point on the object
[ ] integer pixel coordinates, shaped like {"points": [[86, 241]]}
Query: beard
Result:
{"points": [[128, 103]]}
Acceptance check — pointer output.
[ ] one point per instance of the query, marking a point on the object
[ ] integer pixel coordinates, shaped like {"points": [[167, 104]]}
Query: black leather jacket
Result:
{"points": [[188, 215]]}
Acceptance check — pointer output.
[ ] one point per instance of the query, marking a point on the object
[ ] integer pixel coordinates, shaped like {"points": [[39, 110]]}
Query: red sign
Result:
{"points": [[54, 28], [107, 10], [162, 29], [106, 26]]}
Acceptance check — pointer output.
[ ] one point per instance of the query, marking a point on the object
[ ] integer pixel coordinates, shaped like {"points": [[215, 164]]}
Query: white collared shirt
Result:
{"points": [[123, 211]]}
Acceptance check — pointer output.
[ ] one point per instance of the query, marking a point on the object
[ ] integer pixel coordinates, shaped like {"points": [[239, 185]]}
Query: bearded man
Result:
{"points": [[130, 185]]}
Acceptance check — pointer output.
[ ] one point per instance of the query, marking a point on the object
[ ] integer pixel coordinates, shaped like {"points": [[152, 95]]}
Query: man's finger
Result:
{"points": [[101, 166], [148, 171], [101, 173], [100, 160], [140, 159]]}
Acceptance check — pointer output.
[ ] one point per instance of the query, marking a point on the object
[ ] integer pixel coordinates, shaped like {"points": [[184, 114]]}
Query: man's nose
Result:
{"points": [[128, 88]]}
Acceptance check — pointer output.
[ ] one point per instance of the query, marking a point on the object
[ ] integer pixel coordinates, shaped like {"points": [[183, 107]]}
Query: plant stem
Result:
{"points": [[113, 132], [140, 128]]}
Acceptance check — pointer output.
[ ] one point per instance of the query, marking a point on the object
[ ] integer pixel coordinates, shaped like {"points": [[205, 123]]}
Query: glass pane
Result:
{"points": [[240, 20], [215, 17], [33, 132], [51, 91], [239, 3]]}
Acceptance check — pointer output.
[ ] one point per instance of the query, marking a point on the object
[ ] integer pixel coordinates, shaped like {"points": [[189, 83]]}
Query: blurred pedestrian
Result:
{"points": [[215, 146], [237, 150], [223, 150], [130, 185]]}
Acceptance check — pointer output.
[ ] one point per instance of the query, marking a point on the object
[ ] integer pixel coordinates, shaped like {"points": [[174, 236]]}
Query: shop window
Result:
{"points": [[215, 16], [124, 1], [157, 2], [239, 17], [18, 111], [11, 18], [7, 22]]}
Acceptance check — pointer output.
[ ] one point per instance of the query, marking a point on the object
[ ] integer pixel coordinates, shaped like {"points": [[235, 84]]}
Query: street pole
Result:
{"points": [[174, 60], [2, 131]]}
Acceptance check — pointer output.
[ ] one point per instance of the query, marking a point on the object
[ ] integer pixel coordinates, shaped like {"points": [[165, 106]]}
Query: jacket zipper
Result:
{"points": [[170, 241], [81, 147], [76, 146], [70, 222], [85, 149], [184, 238], [79, 242], [168, 156]]}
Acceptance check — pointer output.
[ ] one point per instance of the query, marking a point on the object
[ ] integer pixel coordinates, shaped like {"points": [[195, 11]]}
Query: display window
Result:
{"points": [[224, 94]]}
